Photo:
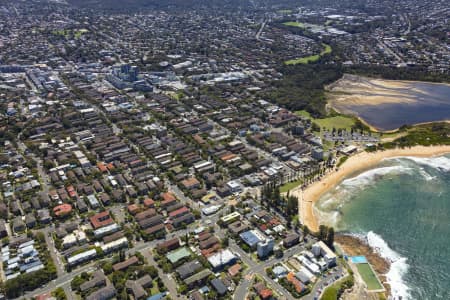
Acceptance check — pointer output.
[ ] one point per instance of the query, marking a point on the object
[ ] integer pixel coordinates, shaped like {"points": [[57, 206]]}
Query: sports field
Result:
{"points": [[369, 277]]}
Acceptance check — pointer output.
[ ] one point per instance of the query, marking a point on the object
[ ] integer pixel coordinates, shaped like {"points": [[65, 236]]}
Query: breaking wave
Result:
{"points": [[441, 163], [369, 176], [398, 268]]}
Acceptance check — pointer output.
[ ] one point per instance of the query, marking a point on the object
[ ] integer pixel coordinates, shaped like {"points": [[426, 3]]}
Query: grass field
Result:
{"points": [[309, 59], [369, 277], [336, 121], [67, 32], [290, 185], [294, 24]]}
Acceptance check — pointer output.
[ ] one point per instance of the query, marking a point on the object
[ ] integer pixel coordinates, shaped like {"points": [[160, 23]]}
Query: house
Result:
{"points": [[234, 270], [104, 197], [155, 220], [98, 280], [101, 219], [44, 216], [148, 213], [179, 212], [279, 271], [133, 209], [30, 220], [188, 269], [81, 205], [299, 287], [168, 245], [93, 202], [237, 227], [218, 285], [168, 199], [263, 291], [198, 278], [190, 183], [62, 210], [105, 293], [155, 229], [137, 287], [125, 264], [18, 224], [291, 239], [3, 231], [208, 243], [149, 203], [183, 220]]}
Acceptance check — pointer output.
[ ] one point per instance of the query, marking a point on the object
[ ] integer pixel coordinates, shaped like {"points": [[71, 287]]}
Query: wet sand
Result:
{"points": [[386, 105]]}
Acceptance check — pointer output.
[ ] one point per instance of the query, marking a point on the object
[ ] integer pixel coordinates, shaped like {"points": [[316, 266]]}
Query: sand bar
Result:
{"points": [[356, 163]]}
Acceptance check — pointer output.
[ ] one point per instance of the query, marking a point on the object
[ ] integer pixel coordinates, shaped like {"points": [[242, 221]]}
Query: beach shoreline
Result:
{"points": [[356, 163]]}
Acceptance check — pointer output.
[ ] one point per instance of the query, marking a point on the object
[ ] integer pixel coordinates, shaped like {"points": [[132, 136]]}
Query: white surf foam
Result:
{"points": [[441, 163], [398, 269], [425, 175], [368, 176]]}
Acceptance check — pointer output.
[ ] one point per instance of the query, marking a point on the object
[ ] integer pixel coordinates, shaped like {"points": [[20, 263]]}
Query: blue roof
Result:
{"points": [[157, 296], [250, 238]]}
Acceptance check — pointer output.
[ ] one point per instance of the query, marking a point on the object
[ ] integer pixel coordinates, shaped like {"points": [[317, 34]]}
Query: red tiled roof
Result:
{"points": [[168, 197], [125, 264], [265, 293], [234, 270], [298, 285], [101, 166], [101, 219], [179, 211], [149, 202], [133, 208], [62, 210]]}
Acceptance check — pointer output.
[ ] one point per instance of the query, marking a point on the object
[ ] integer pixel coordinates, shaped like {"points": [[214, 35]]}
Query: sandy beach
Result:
{"points": [[356, 163]]}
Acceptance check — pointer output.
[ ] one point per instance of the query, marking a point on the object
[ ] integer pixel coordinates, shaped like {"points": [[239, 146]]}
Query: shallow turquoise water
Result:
{"points": [[403, 208]]}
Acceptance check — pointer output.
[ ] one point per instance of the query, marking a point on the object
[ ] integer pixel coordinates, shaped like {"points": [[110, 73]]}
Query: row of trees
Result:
{"points": [[326, 234]]}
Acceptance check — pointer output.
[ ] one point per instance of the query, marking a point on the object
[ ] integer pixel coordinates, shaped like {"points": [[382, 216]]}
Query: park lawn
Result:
{"points": [[294, 24], [331, 292], [335, 122], [308, 59], [290, 185], [369, 277], [340, 121]]}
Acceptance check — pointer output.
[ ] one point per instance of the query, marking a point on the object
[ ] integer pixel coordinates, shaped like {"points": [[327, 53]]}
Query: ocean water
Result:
{"points": [[402, 207]]}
